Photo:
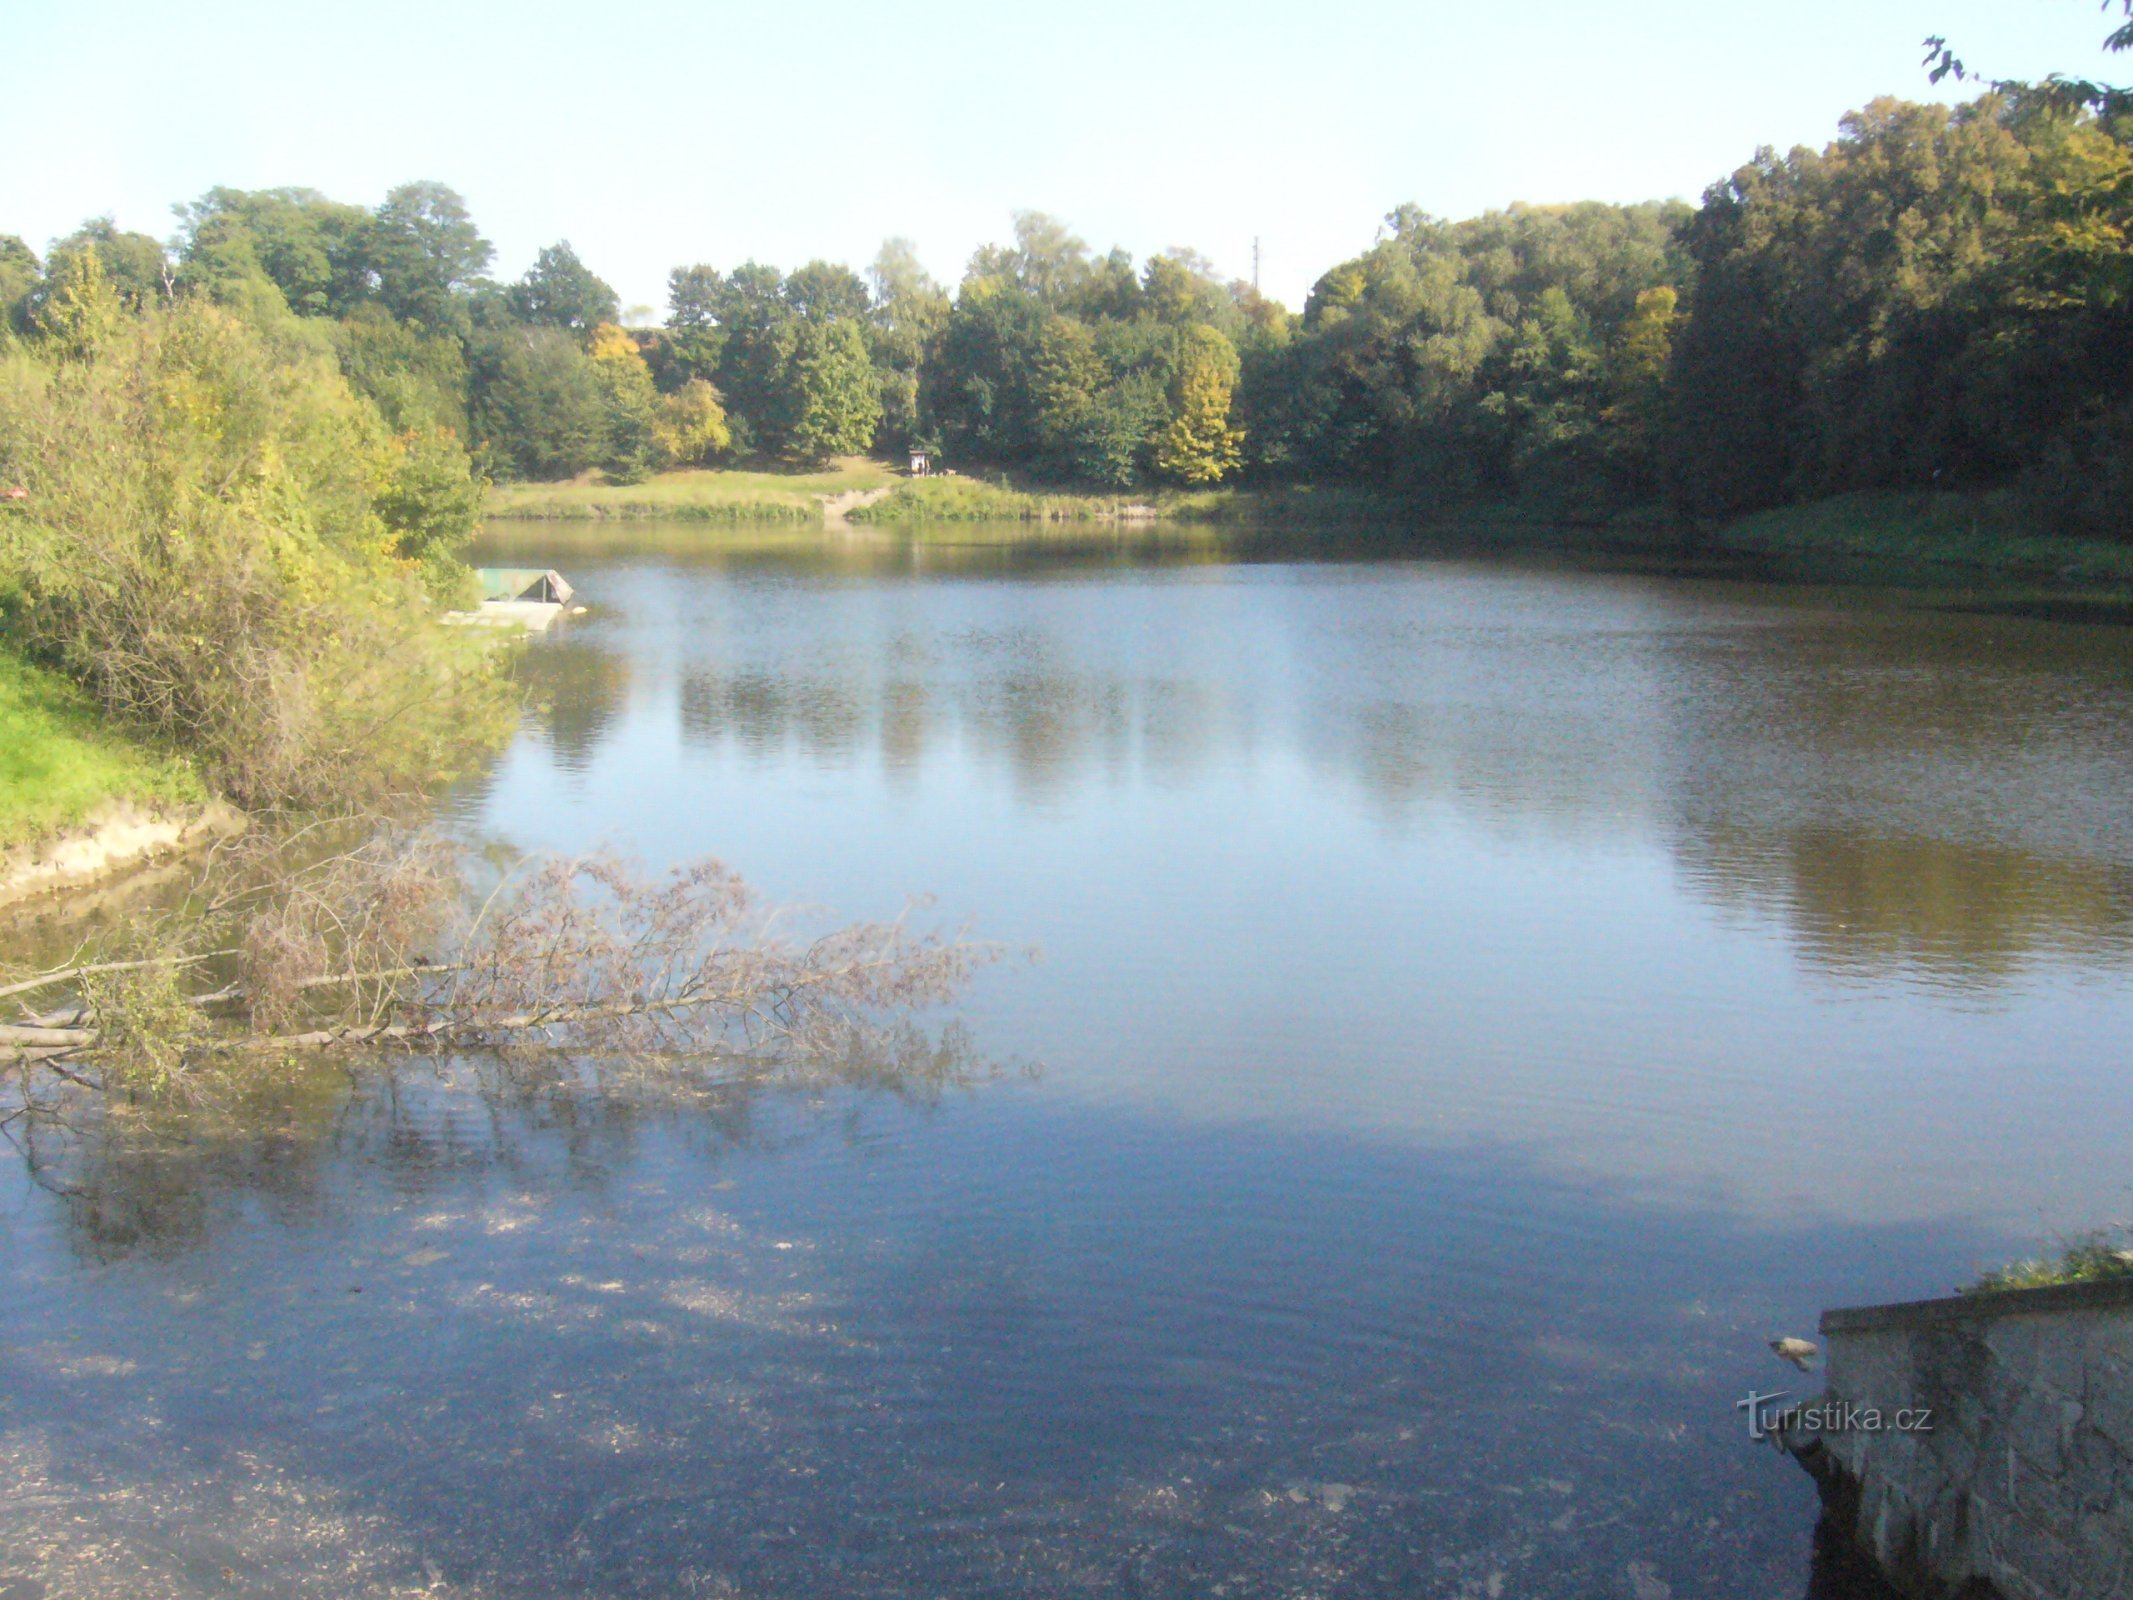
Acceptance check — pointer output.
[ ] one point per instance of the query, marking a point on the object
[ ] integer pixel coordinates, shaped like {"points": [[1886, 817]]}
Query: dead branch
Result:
{"points": [[583, 956], [60, 976]]}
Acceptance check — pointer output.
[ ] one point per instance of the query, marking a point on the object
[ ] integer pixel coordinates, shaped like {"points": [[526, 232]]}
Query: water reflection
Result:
{"points": [[1481, 1005], [577, 692], [1862, 906], [1907, 791], [1635, 874]]}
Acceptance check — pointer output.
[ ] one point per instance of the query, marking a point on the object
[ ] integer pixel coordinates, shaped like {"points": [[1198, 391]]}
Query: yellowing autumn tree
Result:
{"points": [[1200, 446], [1636, 382], [692, 426], [633, 411]]}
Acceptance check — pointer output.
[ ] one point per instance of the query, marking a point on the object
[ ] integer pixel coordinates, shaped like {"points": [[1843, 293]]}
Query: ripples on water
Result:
{"points": [[1480, 1005]]}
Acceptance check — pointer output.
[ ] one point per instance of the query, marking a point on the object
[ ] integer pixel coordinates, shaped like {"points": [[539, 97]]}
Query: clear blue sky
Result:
{"points": [[651, 132]]}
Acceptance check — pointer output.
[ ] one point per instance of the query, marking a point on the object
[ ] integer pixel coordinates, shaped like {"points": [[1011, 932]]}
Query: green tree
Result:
{"points": [[425, 256], [78, 308], [430, 499], [313, 250], [690, 351], [19, 272], [540, 410], [752, 316], [909, 312], [1635, 416], [1110, 290], [821, 292], [1047, 260], [131, 263], [634, 416], [415, 379], [1116, 433], [830, 402], [1912, 306], [224, 546], [1180, 287], [560, 291], [1065, 378], [977, 385]]}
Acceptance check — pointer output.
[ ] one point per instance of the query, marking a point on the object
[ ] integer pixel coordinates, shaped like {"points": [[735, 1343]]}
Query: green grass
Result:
{"points": [[58, 760], [2087, 1258], [961, 499], [1926, 538], [700, 495]]}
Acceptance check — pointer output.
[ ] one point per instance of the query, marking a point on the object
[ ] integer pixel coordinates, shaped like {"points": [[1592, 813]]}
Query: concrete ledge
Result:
{"points": [[1983, 1444], [2101, 1295]]}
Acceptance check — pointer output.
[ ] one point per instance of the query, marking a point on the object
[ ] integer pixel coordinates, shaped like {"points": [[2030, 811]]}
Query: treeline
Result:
{"points": [[1941, 298], [533, 376]]}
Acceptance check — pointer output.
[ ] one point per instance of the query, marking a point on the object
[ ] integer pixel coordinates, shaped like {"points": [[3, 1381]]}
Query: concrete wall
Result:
{"points": [[2024, 1485]]}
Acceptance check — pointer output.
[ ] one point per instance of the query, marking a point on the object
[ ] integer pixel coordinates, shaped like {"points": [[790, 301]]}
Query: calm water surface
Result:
{"points": [[1479, 1004]]}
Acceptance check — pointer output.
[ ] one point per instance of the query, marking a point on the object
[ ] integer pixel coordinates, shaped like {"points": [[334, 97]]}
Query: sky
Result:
{"points": [[656, 132]]}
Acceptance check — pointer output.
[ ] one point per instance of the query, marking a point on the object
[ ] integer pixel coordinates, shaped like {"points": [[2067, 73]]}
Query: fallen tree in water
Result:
{"points": [[392, 945]]}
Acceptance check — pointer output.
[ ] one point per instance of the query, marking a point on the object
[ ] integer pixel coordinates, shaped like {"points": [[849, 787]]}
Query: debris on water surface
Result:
{"points": [[1333, 1496]]}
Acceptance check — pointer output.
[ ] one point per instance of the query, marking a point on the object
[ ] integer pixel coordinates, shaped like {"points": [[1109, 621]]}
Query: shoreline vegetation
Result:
{"points": [[1918, 539], [689, 495], [2099, 1255]]}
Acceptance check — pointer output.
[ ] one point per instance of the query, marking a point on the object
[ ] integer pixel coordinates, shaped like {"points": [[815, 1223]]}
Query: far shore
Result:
{"points": [[1938, 541]]}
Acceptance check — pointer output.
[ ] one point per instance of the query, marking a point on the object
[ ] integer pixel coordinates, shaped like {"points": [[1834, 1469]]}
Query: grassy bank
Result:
{"points": [[701, 495], [960, 499], [1925, 539], [58, 759]]}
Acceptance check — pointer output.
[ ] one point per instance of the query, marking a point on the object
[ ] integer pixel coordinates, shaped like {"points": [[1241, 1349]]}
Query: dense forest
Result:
{"points": [[1943, 297]]}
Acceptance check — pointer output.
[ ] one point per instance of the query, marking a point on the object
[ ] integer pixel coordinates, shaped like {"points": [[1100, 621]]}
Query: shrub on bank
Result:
{"points": [[2087, 1258], [227, 548]]}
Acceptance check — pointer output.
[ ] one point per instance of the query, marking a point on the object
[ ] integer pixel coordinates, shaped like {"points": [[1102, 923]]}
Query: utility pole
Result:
{"points": [[1255, 263]]}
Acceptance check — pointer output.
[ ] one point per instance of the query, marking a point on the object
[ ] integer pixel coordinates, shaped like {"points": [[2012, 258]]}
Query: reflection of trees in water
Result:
{"points": [[765, 711], [1050, 727], [578, 691], [1902, 788], [905, 725], [1514, 770], [1905, 796], [160, 1185], [1864, 904]]}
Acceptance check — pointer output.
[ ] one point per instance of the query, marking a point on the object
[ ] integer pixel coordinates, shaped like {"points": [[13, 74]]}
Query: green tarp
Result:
{"points": [[523, 583]]}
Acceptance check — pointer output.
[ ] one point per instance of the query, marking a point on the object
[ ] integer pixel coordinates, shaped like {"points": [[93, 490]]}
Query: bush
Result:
{"points": [[225, 547], [2087, 1258]]}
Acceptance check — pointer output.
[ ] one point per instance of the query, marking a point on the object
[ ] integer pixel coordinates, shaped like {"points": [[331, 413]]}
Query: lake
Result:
{"points": [[1477, 1004]]}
